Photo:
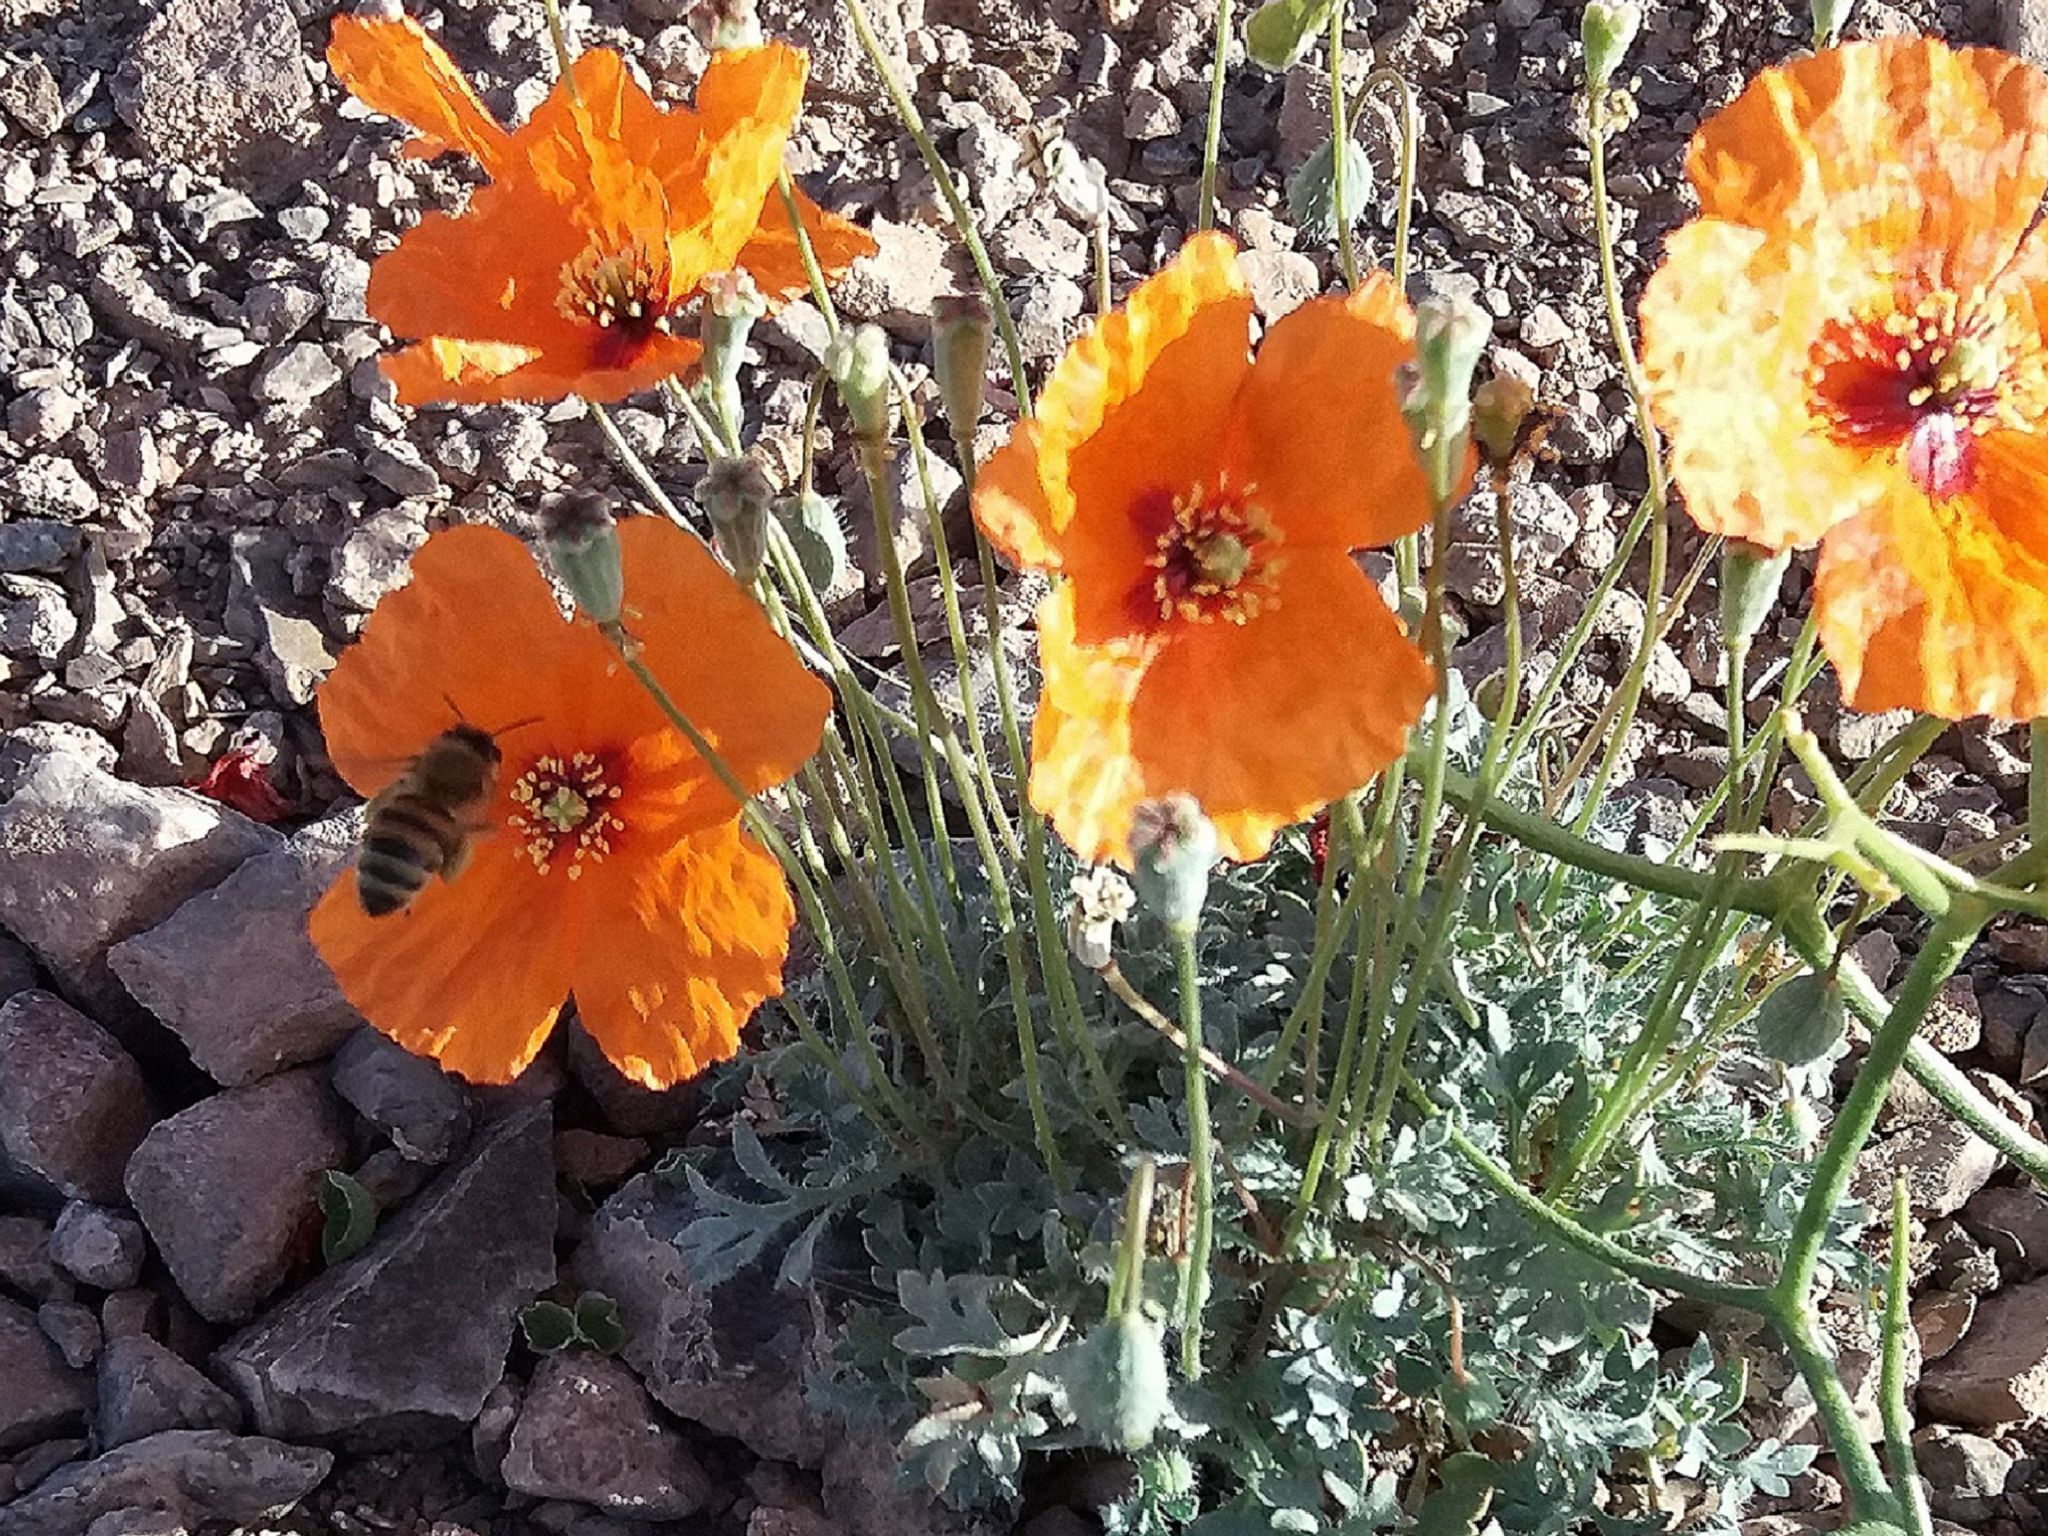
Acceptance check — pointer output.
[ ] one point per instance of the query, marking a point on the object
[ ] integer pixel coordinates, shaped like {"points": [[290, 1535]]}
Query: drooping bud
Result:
{"points": [[1829, 17], [1116, 1378], [721, 24], [1436, 391], [735, 494], [1077, 182], [1502, 409], [1606, 31], [731, 306], [1102, 898], [858, 360], [1750, 575], [960, 326], [1173, 847], [583, 544], [816, 535]]}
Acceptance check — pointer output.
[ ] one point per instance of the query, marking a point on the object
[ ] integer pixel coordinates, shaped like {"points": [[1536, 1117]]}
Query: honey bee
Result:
{"points": [[422, 823]]}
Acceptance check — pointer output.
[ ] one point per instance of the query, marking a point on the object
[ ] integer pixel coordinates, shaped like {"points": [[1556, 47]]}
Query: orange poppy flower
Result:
{"points": [[567, 274], [1847, 349], [1211, 633], [610, 863]]}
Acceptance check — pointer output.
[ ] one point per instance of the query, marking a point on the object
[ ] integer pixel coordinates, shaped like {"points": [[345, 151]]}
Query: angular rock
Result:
{"points": [[404, 1341], [72, 1103], [40, 1396], [25, 1259], [86, 860], [425, 1111], [2014, 1221], [36, 544], [144, 1389], [195, 1476], [232, 971], [296, 375], [229, 1188], [36, 621], [588, 1431], [731, 1360], [864, 1494], [17, 968], [1965, 1473], [207, 78], [74, 1329], [1999, 1373], [98, 1246], [1944, 1163]]}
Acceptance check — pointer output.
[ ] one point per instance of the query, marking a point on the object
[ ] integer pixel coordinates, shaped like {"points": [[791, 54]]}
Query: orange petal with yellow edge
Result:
{"points": [[398, 68], [1936, 156], [472, 974], [1011, 503], [665, 984], [1084, 777], [1944, 608], [1317, 427]]}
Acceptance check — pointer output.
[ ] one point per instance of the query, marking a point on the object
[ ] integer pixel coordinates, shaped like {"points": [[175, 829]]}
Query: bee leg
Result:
{"points": [[456, 862]]}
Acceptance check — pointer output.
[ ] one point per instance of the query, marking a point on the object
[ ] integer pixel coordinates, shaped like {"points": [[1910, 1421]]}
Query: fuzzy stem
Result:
{"points": [[1114, 978], [1201, 1157], [1898, 1418], [813, 273], [1212, 141], [1340, 144], [1870, 1498]]}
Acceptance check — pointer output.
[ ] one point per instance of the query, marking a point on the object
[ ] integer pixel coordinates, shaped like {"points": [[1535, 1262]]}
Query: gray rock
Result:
{"points": [[630, 1108], [2023, 29], [732, 1360], [1999, 1373], [25, 1263], [397, 466], [1945, 1163], [86, 860], [274, 312], [588, 1431], [29, 94], [406, 1340], [266, 612], [129, 462], [195, 1476], [17, 967], [144, 1389], [42, 415], [74, 1328], [36, 621], [48, 485], [98, 1246], [1281, 281], [208, 78], [2014, 1221], [298, 375], [72, 1102], [40, 1396], [425, 1111], [232, 970], [1965, 1474], [864, 1494], [375, 558], [229, 1187]]}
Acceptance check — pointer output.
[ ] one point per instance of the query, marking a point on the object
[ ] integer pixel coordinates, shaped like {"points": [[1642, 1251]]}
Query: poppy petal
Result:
{"points": [[677, 967], [1943, 607], [1084, 778], [1323, 687], [773, 259], [448, 371], [1728, 326], [1931, 153], [1317, 428], [495, 273], [473, 973], [398, 68], [747, 103], [1010, 501]]}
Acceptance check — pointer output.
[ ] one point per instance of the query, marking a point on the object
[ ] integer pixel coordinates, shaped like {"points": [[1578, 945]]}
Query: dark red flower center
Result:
{"points": [[1927, 376], [1213, 554], [624, 291], [565, 810]]}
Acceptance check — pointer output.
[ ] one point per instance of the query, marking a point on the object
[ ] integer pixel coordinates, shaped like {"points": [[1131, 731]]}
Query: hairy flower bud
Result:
{"points": [[721, 24], [815, 533], [858, 360], [731, 306], [583, 543], [735, 494], [1829, 17], [380, 10], [1606, 31], [1750, 575], [960, 326], [1312, 190], [1436, 391], [1173, 847], [1102, 898], [1501, 410]]}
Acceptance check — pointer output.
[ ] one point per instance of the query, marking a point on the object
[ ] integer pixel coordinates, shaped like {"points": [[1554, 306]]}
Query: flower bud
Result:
{"points": [[858, 360], [731, 306], [1501, 411], [721, 24], [816, 535], [380, 10], [1173, 846], [960, 325], [583, 544], [1312, 190], [1606, 31], [1750, 575], [734, 494], [1829, 17], [1102, 898], [1117, 1383], [1436, 390]]}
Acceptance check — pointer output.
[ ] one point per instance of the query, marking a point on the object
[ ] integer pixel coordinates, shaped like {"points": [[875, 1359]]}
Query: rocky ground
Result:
{"points": [[205, 486]]}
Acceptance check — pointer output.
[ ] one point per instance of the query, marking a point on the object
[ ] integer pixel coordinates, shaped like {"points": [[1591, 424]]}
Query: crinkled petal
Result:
{"points": [[398, 68], [1011, 502], [1317, 427], [1729, 323], [1936, 158], [1084, 778], [681, 960], [494, 273], [473, 973], [1944, 608], [773, 259], [1268, 722], [449, 371], [747, 104]]}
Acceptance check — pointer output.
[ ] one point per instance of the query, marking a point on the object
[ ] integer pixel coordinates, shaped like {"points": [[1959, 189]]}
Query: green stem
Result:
{"points": [[1201, 1157], [1411, 142], [813, 273], [1898, 1418], [1127, 1281], [1212, 142], [1340, 143], [1870, 1497]]}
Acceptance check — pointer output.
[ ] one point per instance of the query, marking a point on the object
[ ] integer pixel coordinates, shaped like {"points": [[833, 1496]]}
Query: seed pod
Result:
{"points": [[583, 544], [734, 494], [1312, 191], [721, 24], [1173, 846], [1802, 1021], [1117, 1383], [731, 306], [858, 361], [960, 326]]}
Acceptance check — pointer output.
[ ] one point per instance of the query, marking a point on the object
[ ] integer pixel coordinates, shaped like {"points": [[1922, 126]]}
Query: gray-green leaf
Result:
{"points": [[351, 1216], [1312, 190], [1802, 1021]]}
